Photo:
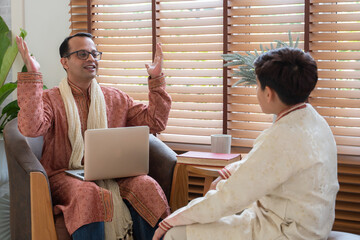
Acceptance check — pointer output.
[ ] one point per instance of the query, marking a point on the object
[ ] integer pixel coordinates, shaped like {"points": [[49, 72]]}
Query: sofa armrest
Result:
{"points": [[21, 163], [161, 163]]}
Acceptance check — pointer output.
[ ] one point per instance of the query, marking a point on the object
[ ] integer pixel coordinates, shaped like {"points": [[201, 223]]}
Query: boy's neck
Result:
{"points": [[291, 108], [282, 108], [277, 106]]}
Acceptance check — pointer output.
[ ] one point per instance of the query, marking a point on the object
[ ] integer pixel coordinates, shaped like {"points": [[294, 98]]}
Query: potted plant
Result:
{"points": [[245, 63], [8, 52]]}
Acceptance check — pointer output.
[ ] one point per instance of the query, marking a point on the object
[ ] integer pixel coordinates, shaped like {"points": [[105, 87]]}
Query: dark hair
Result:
{"points": [[64, 47], [291, 72]]}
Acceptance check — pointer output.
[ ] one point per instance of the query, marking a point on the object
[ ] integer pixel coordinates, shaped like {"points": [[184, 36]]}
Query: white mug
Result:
{"points": [[221, 143]]}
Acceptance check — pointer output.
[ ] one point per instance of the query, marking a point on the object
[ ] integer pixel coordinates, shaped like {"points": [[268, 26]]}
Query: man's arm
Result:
{"points": [[34, 116], [156, 114]]}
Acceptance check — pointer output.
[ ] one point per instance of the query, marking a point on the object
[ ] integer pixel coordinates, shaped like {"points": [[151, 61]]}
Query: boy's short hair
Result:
{"points": [[291, 72], [64, 47]]}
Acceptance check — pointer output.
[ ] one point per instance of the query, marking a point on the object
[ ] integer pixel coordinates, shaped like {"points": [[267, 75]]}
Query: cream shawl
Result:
{"points": [[121, 225]]}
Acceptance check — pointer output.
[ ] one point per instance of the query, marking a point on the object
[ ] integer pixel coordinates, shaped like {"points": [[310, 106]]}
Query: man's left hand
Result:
{"points": [[155, 69]]}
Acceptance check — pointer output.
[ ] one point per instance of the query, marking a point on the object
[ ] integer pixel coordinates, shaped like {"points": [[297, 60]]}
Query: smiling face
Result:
{"points": [[80, 72]]}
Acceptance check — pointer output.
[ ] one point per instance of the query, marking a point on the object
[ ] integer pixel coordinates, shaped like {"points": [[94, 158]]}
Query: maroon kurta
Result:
{"points": [[42, 113]]}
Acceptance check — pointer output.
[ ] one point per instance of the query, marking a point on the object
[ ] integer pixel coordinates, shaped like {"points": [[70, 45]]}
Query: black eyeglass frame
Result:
{"points": [[96, 57]]}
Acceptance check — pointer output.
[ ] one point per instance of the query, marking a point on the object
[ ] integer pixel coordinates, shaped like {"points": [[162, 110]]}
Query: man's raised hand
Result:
{"points": [[155, 69], [31, 64]]}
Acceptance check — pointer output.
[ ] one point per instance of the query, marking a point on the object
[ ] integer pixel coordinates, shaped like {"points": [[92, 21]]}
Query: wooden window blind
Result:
{"points": [[195, 33], [335, 45], [250, 24], [123, 32], [78, 16], [191, 33], [193, 40], [347, 209]]}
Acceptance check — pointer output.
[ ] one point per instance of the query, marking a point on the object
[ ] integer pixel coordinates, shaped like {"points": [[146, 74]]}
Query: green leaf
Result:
{"points": [[7, 62], [6, 90], [234, 63], [230, 57], [5, 43], [9, 58], [3, 27], [297, 42], [278, 45], [238, 82], [11, 108], [23, 33], [246, 69], [9, 112], [24, 68], [290, 40], [262, 48]]}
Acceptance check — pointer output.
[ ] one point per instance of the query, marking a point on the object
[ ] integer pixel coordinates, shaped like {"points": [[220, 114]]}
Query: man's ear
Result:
{"points": [[64, 62]]}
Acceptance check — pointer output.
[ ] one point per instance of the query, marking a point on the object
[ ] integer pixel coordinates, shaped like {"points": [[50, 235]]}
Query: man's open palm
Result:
{"points": [[31, 64], [155, 69]]}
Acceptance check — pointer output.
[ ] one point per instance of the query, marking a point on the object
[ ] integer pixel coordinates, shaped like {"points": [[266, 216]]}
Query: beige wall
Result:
{"points": [[47, 24]]}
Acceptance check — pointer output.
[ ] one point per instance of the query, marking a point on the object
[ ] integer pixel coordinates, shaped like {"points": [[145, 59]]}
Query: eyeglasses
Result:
{"points": [[84, 55]]}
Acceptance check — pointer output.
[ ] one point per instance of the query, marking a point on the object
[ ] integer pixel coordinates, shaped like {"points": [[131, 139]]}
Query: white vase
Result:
{"points": [[4, 194]]}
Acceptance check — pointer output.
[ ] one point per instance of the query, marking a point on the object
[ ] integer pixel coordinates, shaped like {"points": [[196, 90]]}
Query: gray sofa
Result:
{"points": [[31, 214]]}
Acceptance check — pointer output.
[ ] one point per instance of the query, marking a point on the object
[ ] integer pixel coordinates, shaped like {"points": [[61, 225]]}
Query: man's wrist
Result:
{"points": [[30, 76], [156, 76], [156, 82]]}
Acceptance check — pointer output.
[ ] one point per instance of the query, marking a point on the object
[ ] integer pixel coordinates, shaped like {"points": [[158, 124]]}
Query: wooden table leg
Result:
{"points": [[179, 193]]}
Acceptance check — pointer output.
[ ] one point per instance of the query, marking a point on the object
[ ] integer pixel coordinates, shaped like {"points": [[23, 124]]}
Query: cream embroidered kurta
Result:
{"points": [[284, 189], [42, 113]]}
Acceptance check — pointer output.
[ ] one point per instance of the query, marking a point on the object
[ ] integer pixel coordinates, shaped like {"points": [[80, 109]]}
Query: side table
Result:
{"points": [[190, 182]]}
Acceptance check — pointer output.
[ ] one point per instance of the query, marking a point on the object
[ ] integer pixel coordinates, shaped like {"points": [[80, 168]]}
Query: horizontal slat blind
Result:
{"points": [[191, 33], [347, 217], [123, 32], [78, 16], [252, 23], [192, 42], [335, 44]]}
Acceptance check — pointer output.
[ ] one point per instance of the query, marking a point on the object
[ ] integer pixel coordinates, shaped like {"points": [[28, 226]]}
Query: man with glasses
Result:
{"points": [[62, 114]]}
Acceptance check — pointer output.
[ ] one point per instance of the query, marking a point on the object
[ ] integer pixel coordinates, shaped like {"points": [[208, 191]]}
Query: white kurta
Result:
{"points": [[284, 189]]}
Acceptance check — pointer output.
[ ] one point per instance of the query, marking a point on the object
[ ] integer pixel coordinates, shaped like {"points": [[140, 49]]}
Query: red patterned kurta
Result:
{"points": [[42, 113]]}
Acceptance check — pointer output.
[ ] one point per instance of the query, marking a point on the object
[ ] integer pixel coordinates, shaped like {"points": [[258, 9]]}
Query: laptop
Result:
{"points": [[114, 153]]}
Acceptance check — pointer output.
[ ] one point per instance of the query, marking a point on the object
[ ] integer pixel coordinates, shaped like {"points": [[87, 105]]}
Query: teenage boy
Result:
{"points": [[286, 186]]}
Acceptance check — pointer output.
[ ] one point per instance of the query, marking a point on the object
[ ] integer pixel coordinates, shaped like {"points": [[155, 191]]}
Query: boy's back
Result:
{"points": [[307, 156]]}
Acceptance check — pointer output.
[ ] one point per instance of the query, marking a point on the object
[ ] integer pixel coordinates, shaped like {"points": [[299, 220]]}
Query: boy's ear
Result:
{"points": [[269, 94]]}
